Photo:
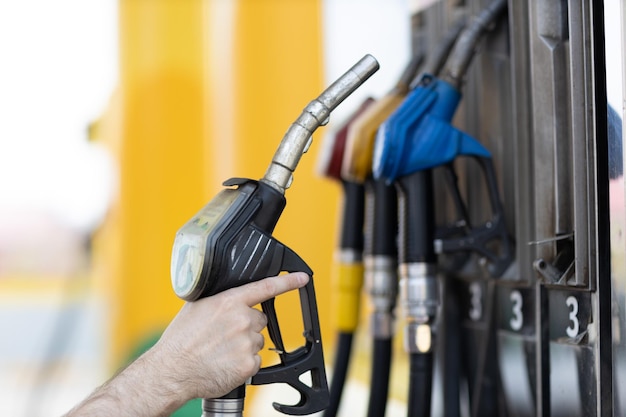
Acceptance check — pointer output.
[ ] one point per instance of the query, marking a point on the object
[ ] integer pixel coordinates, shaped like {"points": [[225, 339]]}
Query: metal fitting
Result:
{"points": [[419, 292], [222, 407], [418, 337], [381, 280], [381, 324], [347, 256]]}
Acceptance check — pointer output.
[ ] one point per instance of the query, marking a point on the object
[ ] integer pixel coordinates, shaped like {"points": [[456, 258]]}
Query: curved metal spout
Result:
{"points": [[297, 140]]}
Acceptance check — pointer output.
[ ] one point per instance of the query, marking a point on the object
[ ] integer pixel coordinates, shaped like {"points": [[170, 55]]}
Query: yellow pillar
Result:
{"points": [[207, 91], [161, 156], [278, 68]]}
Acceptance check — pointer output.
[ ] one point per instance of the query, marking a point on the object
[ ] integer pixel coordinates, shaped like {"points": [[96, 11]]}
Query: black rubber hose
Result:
{"points": [[420, 386], [416, 214], [379, 382], [340, 370]]}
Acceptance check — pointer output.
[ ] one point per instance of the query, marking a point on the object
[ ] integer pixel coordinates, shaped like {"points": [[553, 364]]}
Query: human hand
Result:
{"points": [[212, 345], [210, 348]]}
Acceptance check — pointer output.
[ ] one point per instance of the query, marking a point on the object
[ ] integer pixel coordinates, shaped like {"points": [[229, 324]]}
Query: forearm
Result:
{"points": [[195, 357], [146, 388]]}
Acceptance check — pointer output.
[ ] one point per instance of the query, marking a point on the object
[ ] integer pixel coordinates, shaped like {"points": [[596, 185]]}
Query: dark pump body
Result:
{"points": [[240, 249], [243, 215]]}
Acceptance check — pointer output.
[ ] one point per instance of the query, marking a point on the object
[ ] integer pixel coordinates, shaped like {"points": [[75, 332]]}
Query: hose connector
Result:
{"points": [[381, 280], [222, 407], [465, 46], [348, 285], [419, 299]]}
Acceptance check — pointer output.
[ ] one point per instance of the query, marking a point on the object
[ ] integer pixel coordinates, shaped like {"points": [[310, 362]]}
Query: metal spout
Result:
{"points": [[297, 140]]}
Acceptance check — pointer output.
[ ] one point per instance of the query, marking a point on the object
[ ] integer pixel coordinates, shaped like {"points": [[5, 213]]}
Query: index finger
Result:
{"points": [[259, 291]]}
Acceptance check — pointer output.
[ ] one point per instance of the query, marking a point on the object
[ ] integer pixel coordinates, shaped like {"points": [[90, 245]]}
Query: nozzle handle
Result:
{"points": [[480, 239], [298, 137], [308, 358]]}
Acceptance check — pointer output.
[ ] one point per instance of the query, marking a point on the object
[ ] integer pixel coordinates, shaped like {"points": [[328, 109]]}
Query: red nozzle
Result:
{"points": [[332, 158]]}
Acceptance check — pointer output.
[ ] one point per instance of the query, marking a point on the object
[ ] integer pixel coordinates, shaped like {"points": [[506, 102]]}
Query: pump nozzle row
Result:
{"points": [[396, 143]]}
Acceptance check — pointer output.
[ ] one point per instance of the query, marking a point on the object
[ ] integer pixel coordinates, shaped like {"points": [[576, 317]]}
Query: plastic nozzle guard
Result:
{"points": [[480, 239], [331, 156], [357, 159], [419, 136], [298, 137]]}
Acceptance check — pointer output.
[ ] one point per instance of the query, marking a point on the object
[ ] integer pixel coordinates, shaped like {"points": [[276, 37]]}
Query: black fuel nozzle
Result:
{"points": [[229, 243], [419, 136]]}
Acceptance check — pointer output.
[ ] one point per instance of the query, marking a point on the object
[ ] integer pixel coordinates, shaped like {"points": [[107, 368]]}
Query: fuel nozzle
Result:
{"points": [[465, 47], [229, 243], [419, 136]]}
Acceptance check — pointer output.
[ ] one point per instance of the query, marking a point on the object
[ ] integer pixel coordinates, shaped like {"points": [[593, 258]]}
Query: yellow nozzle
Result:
{"points": [[358, 155], [359, 150], [348, 283]]}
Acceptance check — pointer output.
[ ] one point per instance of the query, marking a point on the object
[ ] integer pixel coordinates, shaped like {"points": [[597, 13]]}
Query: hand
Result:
{"points": [[210, 348], [212, 345]]}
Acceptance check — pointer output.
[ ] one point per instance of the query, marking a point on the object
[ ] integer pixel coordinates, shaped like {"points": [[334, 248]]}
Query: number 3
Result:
{"points": [[572, 330], [518, 319], [476, 310]]}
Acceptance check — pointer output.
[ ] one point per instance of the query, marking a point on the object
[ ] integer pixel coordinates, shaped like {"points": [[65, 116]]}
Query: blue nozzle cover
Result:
{"points": [[418, 135]]}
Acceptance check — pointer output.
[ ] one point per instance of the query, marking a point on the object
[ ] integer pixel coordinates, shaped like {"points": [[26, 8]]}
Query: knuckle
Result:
{"points": [[257, 342], [246, 322], [246, 367]]}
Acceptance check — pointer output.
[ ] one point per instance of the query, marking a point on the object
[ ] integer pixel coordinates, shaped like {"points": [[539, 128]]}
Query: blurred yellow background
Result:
{"points": [[119, 121]]}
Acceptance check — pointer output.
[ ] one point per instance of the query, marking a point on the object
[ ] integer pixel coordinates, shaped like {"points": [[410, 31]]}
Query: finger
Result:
{"points": [[257, 363], [259, 341], [259, 291], [259, 320]]}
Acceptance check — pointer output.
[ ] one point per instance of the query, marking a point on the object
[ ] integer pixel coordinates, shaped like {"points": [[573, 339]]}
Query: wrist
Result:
{"points": [[144, 388], [159, 382]]}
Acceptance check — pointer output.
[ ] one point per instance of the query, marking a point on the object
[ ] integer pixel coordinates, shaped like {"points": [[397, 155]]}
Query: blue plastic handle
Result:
{"points": [[418, 135]]}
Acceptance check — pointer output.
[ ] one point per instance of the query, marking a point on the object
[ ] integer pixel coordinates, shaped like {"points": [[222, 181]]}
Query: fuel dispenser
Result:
{"points": [[554, 315], [380, 228], [540, 338]]}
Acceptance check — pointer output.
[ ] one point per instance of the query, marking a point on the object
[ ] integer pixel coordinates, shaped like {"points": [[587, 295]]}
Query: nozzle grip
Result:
{"points": [[479, 238], [308, 358]]}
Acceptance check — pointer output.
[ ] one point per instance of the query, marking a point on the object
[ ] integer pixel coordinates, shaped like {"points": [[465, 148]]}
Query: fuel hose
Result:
{"points": [[381, 256], [347, 276]]}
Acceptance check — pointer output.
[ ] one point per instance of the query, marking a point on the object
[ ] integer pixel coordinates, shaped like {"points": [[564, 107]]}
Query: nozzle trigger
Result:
{"points": [[308, 358]]}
